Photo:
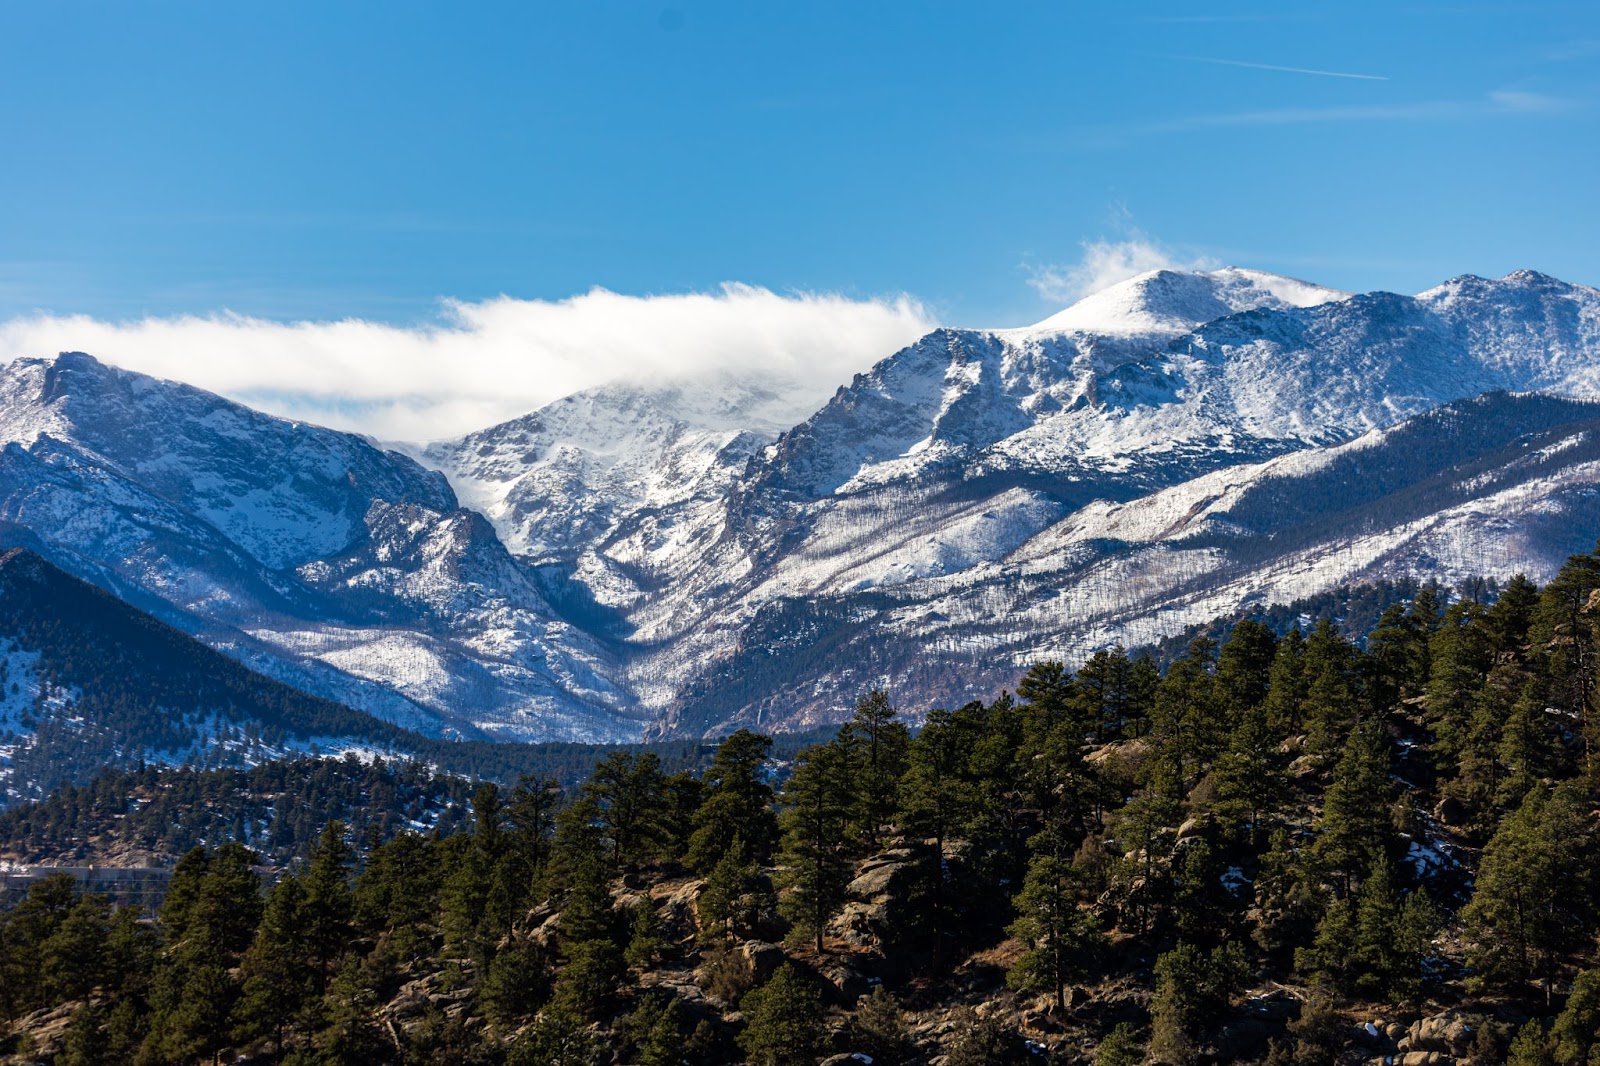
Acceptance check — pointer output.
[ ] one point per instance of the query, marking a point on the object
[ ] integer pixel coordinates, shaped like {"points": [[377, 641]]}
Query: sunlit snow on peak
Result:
{"points": [[1175, 301]]}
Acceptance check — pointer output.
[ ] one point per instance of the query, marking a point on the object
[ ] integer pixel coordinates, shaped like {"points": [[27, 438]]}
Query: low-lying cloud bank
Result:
{"points": [[482, 363]]}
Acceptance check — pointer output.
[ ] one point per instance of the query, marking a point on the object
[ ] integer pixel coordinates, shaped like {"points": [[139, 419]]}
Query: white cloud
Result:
{"points": [[1104, 263], [1517, 100], [485, 362]]}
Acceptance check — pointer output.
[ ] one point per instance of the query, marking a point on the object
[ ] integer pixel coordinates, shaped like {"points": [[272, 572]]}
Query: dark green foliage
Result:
{"points": [[277, 983], [783, 1021], [1121, 1047], [977, 1041], [877, 744], [1577, 1029], [878, 1028], [737, 896], [1060, 935], [628, 791], [1535, 890], [517, 984], [817, 845], [557, 1038], [1530, 1047], [1192, 990], [1274, 809], [737, 803]]}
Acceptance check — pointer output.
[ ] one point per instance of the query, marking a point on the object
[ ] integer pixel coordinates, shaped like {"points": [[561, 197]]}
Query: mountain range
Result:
{"points": [[680, 558]]}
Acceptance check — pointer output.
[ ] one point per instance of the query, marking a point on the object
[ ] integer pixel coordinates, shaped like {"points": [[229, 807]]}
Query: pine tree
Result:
{"points": [[1354, 829], [1526, 749], [1192, 989], [556, 1038], [1576, 1033], [735, 896], [1121, 1047], [737, 803], [1534, 896], [277, 982], [783, 1021], [1333, 701], [517, 984], [881, 745], [1564, 631], [1188, 722], [1060, 937], [1530, 1047], [1244, 669], [531, 817], [1103, 691], [1249, 782], [646, 942], [816, 858], [1287, 685], [328, 906], [879, 1029], [628, 790]]}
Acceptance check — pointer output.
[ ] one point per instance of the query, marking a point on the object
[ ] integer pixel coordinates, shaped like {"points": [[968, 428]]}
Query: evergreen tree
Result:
{"points": [[531, 817], [1576, 1033], [1564, 631], [879, 1029], [517, 984], [735, 896], [646, 942], [1355, 830], [277, 982], [1060, 936], [881, 744], [1535, 890], [1121, 1047], [628, 790], [737, 803], [1334, 697], [1244, 669], [1192, 989], [556, 1038], [783, 1021], [1287, 685], [1103, 690], [1188, 722], [327, 907], [817, 856], [1530, 1047], [1249, 782]]}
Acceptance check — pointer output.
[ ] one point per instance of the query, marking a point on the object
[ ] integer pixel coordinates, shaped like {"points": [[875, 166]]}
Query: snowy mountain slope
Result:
{"points": [[310, 554], [1498, 485], [703, 553], [976, 423], [566, 474]]}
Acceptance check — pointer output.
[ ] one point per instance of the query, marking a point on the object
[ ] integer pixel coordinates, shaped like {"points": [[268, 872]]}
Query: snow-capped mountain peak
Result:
{"points": [[720, 552], [1176, 301]]}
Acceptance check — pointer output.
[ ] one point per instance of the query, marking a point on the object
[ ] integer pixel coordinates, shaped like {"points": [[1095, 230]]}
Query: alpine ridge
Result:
{"points": [[685, 557]]}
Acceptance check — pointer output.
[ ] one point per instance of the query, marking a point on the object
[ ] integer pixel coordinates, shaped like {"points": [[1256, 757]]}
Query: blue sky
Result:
{"points": [[317, 161]]}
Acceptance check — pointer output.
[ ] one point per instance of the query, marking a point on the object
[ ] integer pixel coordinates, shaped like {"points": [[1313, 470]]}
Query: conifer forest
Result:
{"points": [[1310, 848]]}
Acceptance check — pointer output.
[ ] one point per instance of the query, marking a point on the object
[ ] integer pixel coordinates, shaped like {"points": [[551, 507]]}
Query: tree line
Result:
{"points": [[1382, 826]]}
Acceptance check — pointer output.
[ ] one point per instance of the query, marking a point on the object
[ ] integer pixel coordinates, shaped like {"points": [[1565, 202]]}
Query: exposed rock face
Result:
{"points": [[692, 558]]}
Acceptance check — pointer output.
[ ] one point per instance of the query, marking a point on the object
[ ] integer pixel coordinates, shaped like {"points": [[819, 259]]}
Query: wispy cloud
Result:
{"points": [[1500, 102], [481, 363], [1104, 262], [1570, 50], [1279, 69], [1518, 101]]}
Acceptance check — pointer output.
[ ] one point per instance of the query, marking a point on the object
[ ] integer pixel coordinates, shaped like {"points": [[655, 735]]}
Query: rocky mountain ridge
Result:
{"points": [[674, 557]]}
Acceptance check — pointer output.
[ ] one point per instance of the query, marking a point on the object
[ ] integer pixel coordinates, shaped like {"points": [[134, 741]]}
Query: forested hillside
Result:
{"points": [[1289, 850], [88, 681]]}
